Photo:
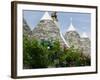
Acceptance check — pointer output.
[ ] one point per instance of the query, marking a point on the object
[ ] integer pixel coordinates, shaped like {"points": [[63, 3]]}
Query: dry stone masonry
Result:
{"points": [[78, 42], [49, 29]]}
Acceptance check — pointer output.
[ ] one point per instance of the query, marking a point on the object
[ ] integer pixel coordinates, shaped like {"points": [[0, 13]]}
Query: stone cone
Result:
{"points": [[47, 29]]}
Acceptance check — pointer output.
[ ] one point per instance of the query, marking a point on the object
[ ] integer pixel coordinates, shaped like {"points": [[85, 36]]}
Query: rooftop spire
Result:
{"points": [[46, 16], [71, 19], [84, 35], [71, 27]]}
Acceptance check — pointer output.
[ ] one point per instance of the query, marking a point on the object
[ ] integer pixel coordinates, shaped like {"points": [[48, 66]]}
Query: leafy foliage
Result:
{"points": [[47, 53]]}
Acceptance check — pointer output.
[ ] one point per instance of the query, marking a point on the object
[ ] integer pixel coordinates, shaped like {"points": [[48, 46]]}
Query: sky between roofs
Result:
{"points": [[81, 21]]}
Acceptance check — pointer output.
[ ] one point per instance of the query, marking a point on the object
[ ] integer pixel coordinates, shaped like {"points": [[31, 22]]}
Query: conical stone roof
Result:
{"points": [[85, 45], [72, 37], [26, 28], [47, 29], [84, 35]]}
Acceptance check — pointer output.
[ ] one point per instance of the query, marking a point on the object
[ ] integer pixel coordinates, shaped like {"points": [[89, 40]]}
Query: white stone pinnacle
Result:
{"points": [[46, 16], [71, 27], [84, 35]]}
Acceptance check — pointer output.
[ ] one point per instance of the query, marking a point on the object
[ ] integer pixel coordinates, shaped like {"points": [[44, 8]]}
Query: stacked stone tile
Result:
{"points": [[26, 28], [73, 38], [47, 29], [85, 44]]}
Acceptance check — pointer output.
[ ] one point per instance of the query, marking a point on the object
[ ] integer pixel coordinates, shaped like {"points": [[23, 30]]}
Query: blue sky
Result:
{"points": [[81, 21]]}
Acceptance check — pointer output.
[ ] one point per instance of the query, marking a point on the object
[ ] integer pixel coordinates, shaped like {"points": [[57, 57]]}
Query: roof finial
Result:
{"points": [[71, 23], [71, 27], [71, 19]]}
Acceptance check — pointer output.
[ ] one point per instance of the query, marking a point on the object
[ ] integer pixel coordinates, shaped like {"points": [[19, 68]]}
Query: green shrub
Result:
{"points": [[46, 53]]}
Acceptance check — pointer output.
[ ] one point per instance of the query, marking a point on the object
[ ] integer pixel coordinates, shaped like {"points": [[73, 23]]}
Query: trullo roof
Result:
{"points": [[84, 35]]}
